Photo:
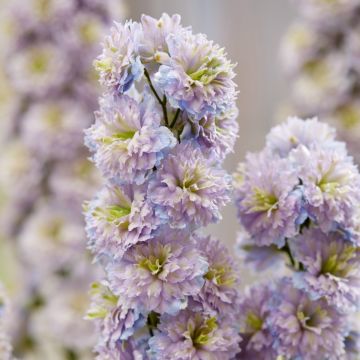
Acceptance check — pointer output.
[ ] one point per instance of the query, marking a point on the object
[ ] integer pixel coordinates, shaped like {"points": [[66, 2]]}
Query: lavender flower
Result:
{"points": [[305, 328], [115, 322], [55, 235], [301, 44], [269, 208], [289, 135], [36, 14], [330, 185], [84, 32], [195, 75], [71, 182], [154, 34], [19, 184], [254, 312], [19, 173], [258, 258], [323, 84], [218, 133], [53, 129], [127, 139], [188, 188], [39, 69], [126, 350], [332, 267], [54, 319], [119, 65], [194, 335], [117, 219], [220, 292], [160, 274]]}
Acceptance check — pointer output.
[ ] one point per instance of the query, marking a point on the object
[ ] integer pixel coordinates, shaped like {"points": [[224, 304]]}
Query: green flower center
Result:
{"points": [[43, 7], [126, 134], [220, 275], [53, 115], [112, 213], [263, 201], [318, 71], [84, 169], [207, 71], [328, 187], [154, 263], [300, 37], [89, 32], [331, 181], [103, 64], [349, 116], [338, 264], [193, 180], [253, 321], [53, 229], [39, 62], [200, 334], [311, 320]]}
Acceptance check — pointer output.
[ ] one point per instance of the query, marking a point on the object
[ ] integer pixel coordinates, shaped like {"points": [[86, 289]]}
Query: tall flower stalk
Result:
{"points": [[321, 57], [298, 200], [167, 119], [44, 172]]}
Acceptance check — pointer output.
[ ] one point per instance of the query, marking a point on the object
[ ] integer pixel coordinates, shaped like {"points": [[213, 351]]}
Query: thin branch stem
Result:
{"points": [[286, 248], [152, 86], [161, 102], [165, 110], [175, 118]]}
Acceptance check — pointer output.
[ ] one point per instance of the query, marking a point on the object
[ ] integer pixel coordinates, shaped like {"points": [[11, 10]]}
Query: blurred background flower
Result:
{"points": [[321, 56], [48, 97]]}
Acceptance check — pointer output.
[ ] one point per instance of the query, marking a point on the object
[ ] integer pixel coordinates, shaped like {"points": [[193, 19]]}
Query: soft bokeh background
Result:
{"points": [[251, 32]]}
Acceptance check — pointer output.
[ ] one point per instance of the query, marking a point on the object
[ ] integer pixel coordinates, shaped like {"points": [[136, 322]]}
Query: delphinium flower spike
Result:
{"points": [[309, 213], [166, 121]]}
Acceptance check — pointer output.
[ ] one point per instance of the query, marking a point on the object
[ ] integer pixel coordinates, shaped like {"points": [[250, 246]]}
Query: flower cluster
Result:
{"points": [[299, 197], [166, 121], [321, 56], [44, 171]]}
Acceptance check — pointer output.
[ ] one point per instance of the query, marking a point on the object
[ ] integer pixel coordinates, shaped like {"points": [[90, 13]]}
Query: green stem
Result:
{"points": [[286, 248], [152, 86], [175, 118], [161, 102], [152, 322]]}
